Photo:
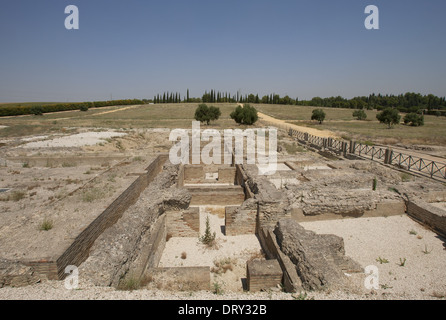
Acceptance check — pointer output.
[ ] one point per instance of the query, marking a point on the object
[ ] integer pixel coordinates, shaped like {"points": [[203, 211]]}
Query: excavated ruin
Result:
{"points": [[126, 241]]}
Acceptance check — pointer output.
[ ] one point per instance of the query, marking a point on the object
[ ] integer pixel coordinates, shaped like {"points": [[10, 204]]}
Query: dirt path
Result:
{"points": [[284, 125], [105, 112]]}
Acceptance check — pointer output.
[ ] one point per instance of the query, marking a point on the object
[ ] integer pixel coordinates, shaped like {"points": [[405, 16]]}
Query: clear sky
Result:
{"points": [[138, 48]]}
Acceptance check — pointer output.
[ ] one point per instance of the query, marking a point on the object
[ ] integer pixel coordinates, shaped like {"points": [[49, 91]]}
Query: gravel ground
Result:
{"points": [[76, 140], [231, 250], [370, 241]]}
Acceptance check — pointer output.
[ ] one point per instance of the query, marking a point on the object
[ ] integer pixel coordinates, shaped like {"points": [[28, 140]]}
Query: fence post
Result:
{"points": [[344, 149], [388, 156], [352, 146]]}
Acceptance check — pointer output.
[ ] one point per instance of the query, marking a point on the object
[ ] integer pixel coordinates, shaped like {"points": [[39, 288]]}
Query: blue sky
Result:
{"points": [[138, 48]]}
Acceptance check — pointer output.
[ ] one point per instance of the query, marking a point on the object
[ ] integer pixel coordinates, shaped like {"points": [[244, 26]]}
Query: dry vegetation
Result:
{"points": [[342, 122]]}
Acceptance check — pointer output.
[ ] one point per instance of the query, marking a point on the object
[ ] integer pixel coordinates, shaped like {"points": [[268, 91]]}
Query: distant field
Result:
{"points": [[123, 117], [181, 115], [342, 122]]}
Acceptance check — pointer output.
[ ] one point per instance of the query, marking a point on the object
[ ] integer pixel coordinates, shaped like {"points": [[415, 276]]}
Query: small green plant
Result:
{"points": [[382, 260], [68, 164], [218, 288], [405, 177], [46, 225], [25, 165], [394, 190], [302, 296], [413, 232], [119, 146], [208, 237], [426, 251], [17, 196], [130, 283], [402, 262], [375, 182], [385, 286]]}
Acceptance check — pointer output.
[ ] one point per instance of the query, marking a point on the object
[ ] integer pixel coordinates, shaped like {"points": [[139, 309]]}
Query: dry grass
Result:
{"points": [[223, 265], [342, 122]]}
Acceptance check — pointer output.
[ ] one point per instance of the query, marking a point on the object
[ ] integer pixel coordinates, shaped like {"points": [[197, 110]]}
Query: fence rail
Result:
{"points": [[430, 168]]}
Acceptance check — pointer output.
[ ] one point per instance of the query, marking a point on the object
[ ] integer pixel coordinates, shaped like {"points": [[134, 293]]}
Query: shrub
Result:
{"points": [[208, 238], [414, 119], [46, 225], [389, 116], [83, 107], [360, 114], [245, 115]]}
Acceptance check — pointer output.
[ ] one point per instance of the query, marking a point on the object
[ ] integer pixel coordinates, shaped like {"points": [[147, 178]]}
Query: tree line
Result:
{"points": [[83, 106], [408, 103]]}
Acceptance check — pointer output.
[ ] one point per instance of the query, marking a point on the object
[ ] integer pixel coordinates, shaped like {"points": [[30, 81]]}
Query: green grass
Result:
{"points": [[46, 225]]}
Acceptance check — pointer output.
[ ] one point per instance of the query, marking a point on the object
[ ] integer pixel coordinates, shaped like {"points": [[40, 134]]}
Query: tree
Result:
{"points": [[319, 115], [360, 114], [83, 107], [207, 114], [202, 114], [245, 115], [214, 113], [414, 119], [389, 116]]}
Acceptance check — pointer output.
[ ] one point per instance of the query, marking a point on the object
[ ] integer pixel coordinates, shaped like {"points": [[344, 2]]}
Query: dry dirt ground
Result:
{"points": [[53, 186]]}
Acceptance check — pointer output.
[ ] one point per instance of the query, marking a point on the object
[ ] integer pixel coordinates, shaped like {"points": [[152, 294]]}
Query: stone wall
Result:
{"points": [[291, 280], [263, 275], [193, 173], [431, 216], [180, 279], [216, 195], [241, 220], [226, 175], [383, 209], [184, 223], [79, 249]]}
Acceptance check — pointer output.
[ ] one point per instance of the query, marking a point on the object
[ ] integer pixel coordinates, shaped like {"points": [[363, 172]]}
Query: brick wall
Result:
{"points": [[263, 275], [240, 221], [226, 175], [181, 278], [193, 173], [216, 195], [427, 214], [185, 223]]}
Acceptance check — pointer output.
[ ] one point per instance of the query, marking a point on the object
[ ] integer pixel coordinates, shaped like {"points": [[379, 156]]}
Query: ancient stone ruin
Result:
{"points": [[126, 240]]}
